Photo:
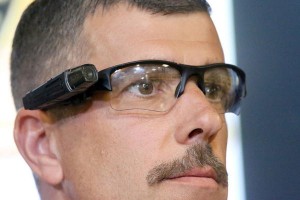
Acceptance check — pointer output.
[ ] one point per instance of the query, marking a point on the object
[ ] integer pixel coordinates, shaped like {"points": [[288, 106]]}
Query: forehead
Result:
{"points": [[123, 34]]}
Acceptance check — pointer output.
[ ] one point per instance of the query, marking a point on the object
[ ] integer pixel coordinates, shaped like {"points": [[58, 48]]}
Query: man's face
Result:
{"points": [[109, 154]]}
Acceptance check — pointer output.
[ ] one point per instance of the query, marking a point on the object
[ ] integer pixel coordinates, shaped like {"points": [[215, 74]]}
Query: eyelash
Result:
{"points": [[155, 84], [219, 89]]}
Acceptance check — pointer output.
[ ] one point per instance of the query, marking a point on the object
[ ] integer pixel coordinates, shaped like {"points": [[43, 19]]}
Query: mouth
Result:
{"points": [[203, 177]]}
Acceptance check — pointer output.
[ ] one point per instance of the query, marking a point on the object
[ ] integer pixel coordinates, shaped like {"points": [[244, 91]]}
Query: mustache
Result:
{"points": [[197, 156]]}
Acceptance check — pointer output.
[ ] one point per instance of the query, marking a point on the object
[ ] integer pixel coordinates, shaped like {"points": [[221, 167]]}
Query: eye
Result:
{"points": [[214, 92], [144, 88]]}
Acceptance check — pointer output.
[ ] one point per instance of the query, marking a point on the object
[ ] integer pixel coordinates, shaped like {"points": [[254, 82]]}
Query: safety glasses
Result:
{"points": [[148, 85]]}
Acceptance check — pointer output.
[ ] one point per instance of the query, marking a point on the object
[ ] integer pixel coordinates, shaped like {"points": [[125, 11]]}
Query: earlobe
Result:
{"points": [[33, 140]]}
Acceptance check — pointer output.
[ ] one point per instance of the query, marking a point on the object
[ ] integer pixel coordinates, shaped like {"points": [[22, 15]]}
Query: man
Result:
{"points": [[152, 128]]}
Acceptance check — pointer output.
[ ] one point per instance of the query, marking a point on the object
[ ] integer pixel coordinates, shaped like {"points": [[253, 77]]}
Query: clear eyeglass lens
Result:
{"points": [[152, 87], [220, 86], [144, 87]]}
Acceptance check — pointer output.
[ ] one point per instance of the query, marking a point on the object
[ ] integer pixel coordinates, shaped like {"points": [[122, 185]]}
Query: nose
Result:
{"points": [[197, 120]]}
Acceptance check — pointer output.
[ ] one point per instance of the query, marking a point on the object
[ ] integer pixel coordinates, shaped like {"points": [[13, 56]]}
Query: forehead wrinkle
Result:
{"points": [[181, 51], [184, 51]]}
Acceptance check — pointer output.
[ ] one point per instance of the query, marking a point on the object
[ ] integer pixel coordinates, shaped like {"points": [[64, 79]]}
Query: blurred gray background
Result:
{"points": [[268, 48]]}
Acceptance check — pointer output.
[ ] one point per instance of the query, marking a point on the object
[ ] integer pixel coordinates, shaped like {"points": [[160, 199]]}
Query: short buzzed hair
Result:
{"points": [[48, 37]]}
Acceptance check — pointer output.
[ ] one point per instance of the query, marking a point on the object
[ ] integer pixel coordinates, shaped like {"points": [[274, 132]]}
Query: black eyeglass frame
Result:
{"points": [[186, 72], [101, 80]]}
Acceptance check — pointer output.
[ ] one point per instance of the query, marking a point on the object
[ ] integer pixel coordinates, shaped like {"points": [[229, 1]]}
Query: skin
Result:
{"points": [[103, 154]]}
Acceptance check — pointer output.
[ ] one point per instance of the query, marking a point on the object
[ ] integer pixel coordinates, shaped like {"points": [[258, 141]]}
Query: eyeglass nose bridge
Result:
{"points": [[185, 76]]}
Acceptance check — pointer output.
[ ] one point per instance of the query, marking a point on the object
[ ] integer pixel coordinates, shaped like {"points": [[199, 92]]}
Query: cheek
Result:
{"points": [[136, 143], [219, 143], [106, 153]]}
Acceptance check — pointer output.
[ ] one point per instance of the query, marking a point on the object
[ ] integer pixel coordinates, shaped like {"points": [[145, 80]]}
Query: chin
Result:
{"points": [[187, 192]]}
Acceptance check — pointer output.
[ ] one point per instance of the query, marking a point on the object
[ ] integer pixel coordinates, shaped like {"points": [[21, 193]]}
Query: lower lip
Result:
{"points": [[204, 182]]}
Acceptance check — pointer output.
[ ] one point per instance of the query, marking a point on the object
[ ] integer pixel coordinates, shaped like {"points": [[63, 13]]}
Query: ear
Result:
{"points": [[34, 144]]}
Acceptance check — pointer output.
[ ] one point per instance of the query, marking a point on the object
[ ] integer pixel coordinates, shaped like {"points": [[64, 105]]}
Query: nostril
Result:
{"points": [[195, 132]]}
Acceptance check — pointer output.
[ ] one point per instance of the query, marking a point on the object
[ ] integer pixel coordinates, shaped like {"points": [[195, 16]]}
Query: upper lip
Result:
{"points": [[203, 172]]}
